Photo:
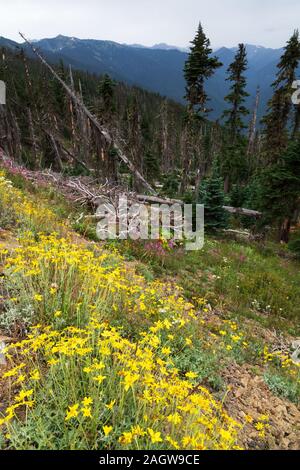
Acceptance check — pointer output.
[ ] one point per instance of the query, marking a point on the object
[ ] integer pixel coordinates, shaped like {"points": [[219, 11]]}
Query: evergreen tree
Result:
{"points": [[171, 184], [276, 134], [237, 95], [151, 165], [106, 90], [212, 196], [280, 106], [200, 66], [280, 190], [234, 149]]}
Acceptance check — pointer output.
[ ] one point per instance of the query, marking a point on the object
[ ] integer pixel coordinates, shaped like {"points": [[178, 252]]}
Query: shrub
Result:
{"points": [[16, 320], [283, 386], [294, 246]]}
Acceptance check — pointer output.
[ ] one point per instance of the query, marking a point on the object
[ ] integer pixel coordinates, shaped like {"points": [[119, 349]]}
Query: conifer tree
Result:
{"points": [[212, 196], [234, 151], [280, 190], [106, 90], [237, 95], [199, 66], [280, 106]]}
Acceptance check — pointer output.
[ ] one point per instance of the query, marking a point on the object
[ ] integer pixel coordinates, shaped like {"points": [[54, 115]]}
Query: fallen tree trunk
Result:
{"points": [[158, 200], [242, 211], [231, 210], [88, 193]]}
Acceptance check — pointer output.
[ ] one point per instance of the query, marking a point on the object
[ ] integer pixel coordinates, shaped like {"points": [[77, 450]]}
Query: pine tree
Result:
{"points": [[212, 196], [151, 165], [234, 151], [280, 106], [200, 66], [276, 134], [280, 191], [106, 90], [171, 184], [237, 95]]}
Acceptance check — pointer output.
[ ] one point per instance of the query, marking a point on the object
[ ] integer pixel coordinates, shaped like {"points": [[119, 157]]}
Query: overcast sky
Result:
{"points": [[226, 22]]}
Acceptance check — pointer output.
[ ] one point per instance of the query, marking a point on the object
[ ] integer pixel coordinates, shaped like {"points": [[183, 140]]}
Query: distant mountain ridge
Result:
{"points": [[162, 46], [159, 68]]}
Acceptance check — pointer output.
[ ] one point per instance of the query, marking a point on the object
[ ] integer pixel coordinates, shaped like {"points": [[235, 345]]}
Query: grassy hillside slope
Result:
{"points": [[115, 347]]}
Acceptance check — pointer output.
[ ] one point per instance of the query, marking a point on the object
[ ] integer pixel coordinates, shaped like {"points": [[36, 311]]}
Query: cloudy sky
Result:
{"points": [[227, 22]]}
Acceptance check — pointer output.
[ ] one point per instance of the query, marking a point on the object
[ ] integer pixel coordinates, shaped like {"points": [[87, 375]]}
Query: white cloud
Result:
{"points": [[227, 22]]}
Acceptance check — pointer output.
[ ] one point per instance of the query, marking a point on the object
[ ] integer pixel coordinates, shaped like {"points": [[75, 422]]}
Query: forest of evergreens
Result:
{"points": [[175, 147]]}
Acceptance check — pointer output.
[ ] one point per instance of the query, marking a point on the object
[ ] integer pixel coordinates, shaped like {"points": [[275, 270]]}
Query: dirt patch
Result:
{"points": [[7, 240], [250, 396]]}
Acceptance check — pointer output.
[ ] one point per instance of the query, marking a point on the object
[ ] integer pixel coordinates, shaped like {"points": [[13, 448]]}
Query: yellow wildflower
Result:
{"points": [[191, 375], [38, 297], [129, 380], [23, 395], [107, 430], [87, 401], [35, 375], [155, 436], [100, 379], [72, 413], [175, 418], [87, 412], [111, 405]]}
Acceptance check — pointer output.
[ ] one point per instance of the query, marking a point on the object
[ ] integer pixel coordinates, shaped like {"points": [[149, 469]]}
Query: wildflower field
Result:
{"points": [[106, 352]]}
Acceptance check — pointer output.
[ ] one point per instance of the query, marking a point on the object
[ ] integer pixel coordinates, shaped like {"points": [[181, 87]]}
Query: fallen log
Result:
{"points": [[231, 210], [158, 200], [87, 193], [242, 211]]}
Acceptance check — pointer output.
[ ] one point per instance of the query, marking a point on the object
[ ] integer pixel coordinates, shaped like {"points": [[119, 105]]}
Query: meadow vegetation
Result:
{"points": [[114, 348]]}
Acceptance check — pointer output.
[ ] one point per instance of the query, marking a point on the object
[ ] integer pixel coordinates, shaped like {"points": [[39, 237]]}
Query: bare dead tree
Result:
{"points": [[16, 138], [186, 156], [33, 136], [252, 128]]}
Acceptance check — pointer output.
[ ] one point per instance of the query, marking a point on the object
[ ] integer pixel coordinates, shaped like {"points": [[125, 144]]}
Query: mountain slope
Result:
{"points": [[149, 68], [159, 68]]}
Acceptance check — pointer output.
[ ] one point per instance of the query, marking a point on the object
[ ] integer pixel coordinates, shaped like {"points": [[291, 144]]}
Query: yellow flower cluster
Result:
{"points": [[232, 336], [99, 362], [35, 217], [67, 282], [166, 407], [23, 399], [282, 360]]}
